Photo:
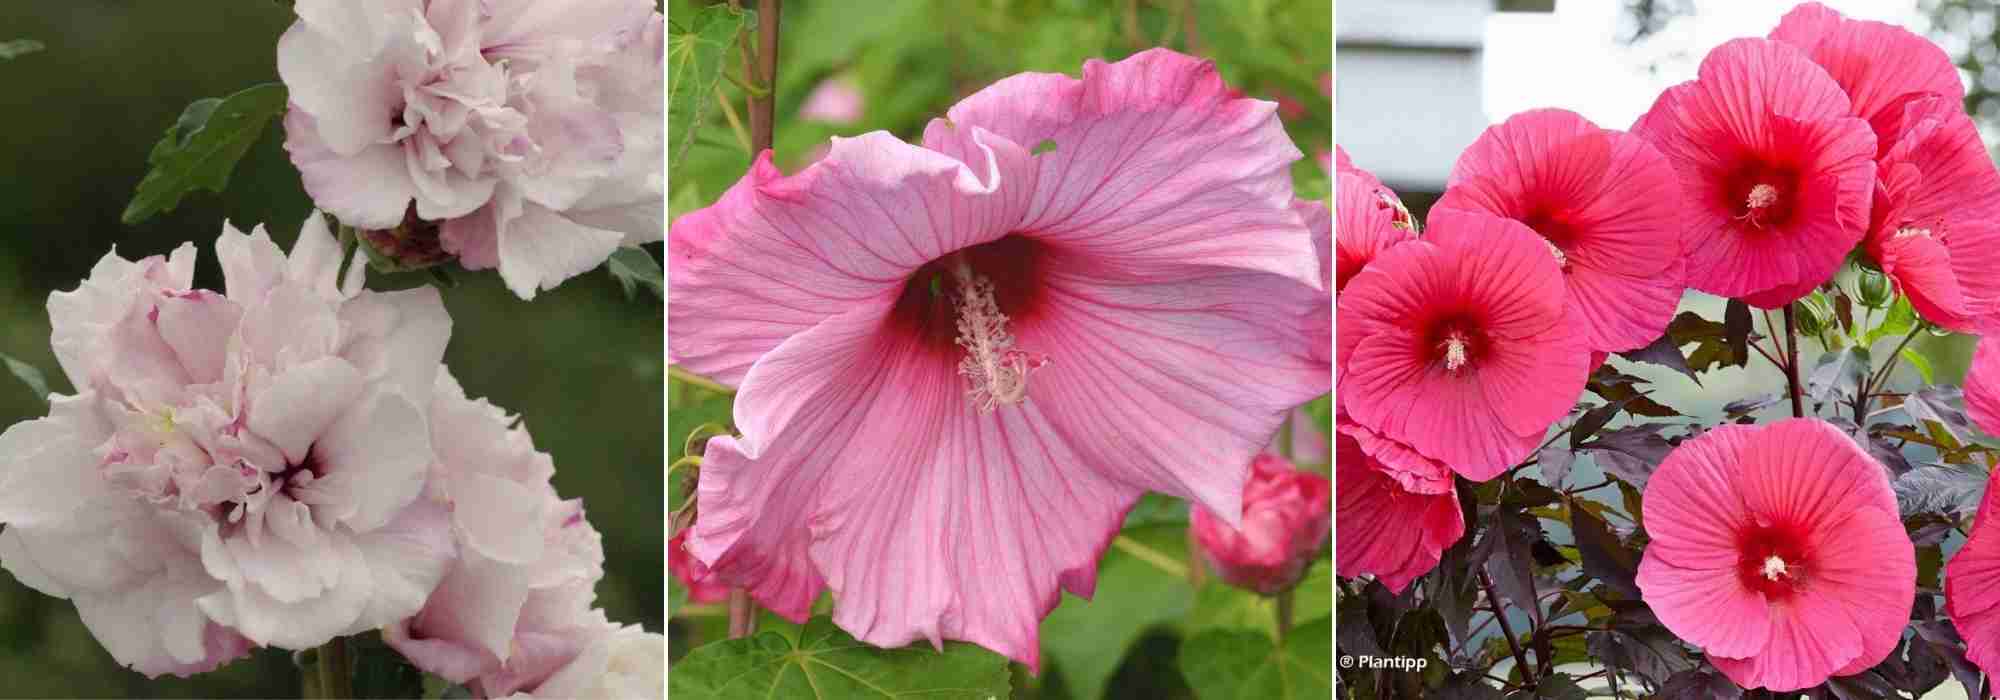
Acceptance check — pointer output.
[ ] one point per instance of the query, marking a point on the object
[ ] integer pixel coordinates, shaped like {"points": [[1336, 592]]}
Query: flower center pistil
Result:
{"points": [[1562, 261], [1454, 351], [995, 369], [1774, 567], [1758, 204], [1910, 231]]}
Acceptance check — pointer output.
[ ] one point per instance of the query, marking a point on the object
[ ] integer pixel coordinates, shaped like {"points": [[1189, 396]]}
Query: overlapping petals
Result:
{"points": [[1460, 344], [1936, 219], [1775, 175], [1144, 282], [1778, 550], [237, 468], [1607, 203], [1880, 66], [1397, 509]]}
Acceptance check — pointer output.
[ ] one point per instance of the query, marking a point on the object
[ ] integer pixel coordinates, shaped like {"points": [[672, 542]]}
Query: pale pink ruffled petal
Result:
{"points": [[1762, 114], [778, 254], [371, 188], [1154, 162]]}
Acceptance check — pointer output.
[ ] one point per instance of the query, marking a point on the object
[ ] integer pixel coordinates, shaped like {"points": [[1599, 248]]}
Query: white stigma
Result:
{"points": [[1454, 352], [1763, 196], [1909, 231], [997, 371], [1561, 260], [1774, 568]]}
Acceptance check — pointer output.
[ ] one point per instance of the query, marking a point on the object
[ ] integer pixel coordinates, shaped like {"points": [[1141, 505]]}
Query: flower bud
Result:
{"points": [[411, 245], [1811, 314], [1874, 289], [1286, 518]]}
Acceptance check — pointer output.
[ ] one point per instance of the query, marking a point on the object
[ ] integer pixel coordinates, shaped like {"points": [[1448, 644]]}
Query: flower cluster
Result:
{"points": [[286, 462], [960, 362], [1779, 550], [517, 135]]}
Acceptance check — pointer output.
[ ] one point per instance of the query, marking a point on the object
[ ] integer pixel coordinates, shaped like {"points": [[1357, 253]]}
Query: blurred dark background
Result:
{"points": [[581, 364]]}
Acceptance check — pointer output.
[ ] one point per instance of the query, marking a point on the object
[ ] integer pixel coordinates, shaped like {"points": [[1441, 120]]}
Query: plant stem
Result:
{"points": [[334, 679], [742, 614], [1792, 364], [761, 117], [1882, 376], [735, 124], [1196, 573], [1284, 601], [1507, 630], [1149, 555]]}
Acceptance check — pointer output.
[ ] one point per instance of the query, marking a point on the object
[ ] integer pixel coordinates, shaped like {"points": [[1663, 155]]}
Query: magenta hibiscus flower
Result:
{"points": [[1935, 226], [1459, 344], [1775, 174], [1607, 203], [1880, 66], [1397, 509], [1778, 551], [960, 364], [1972, 583]]}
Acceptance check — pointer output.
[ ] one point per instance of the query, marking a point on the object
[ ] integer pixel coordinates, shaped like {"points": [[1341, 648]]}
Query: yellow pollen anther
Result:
{"points": [[1763, 196], [1561, 260]]}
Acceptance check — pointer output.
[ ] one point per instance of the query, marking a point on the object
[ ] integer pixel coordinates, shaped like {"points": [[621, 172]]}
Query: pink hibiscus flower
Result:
{"points": [[1777, 550], [1880, 66], [1936, 221], [1398, 511], [960, 363], [1775, 175], [1459, 344], [1284, 523], [1606, 202], [690, 572], [1972, 584], [1982, 386]]}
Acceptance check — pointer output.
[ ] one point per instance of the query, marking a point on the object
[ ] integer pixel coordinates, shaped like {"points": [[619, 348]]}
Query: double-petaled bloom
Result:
{"points": [[1776, 172], [1778, 551], [959, 363], [236, 468], [1284, 524], [1608, 206], [522, 135]]}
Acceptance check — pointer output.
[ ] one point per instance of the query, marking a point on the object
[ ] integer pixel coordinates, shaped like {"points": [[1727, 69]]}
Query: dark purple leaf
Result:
{"points": [[1736, 326], [1651, 653], [1944, 405], [1630, 453], [1945, 642], [1604, 556], [1511, 566], [1555, 461], [1744, 407], [1866, 685], [1838, 374], [1470, 685], [1699, 683], [1951, 490], [1665, 353]]}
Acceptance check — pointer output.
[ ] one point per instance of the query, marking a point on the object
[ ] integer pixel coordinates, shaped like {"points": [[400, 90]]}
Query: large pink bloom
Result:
{"points": [[1283, 525], [1778, 551], [1982, 386], [1607, 203], [1880, 66], [1398, 511], [1775, 174], [1972, 584], [1936, 221], [960, 364], [1460, 345]]}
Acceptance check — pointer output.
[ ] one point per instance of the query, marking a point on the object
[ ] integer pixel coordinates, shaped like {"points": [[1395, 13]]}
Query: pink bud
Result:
{"points": [[1286, 513]]}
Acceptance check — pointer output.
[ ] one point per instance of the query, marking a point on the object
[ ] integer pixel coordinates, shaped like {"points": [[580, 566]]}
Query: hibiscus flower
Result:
{"points": [[1778, 551], [1880, 66], [236, 468], [1460, 344], [960, 363], [1936, 221], [1398, 510], [1775, 174], [1607, 203]]}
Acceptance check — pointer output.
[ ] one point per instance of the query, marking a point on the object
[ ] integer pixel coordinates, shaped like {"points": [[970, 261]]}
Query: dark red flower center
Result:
{"points": [[967, 307], [1762, 195], [1555, 228], [1774, 559], [1454, 342]]}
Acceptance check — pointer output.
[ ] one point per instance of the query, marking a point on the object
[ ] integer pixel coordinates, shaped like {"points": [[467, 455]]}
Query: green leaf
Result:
{"points": [[633, 267], [1900, 320], [1923, 364], [10, 50], [202, 148], [695, 60], [28, 375], [821, 661], [1087, 639], [1222, 664]]}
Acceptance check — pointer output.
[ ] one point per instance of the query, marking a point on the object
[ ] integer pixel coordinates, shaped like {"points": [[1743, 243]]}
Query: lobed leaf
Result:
{"points": [[696, 57], [1224, 664], [821, 661]]}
